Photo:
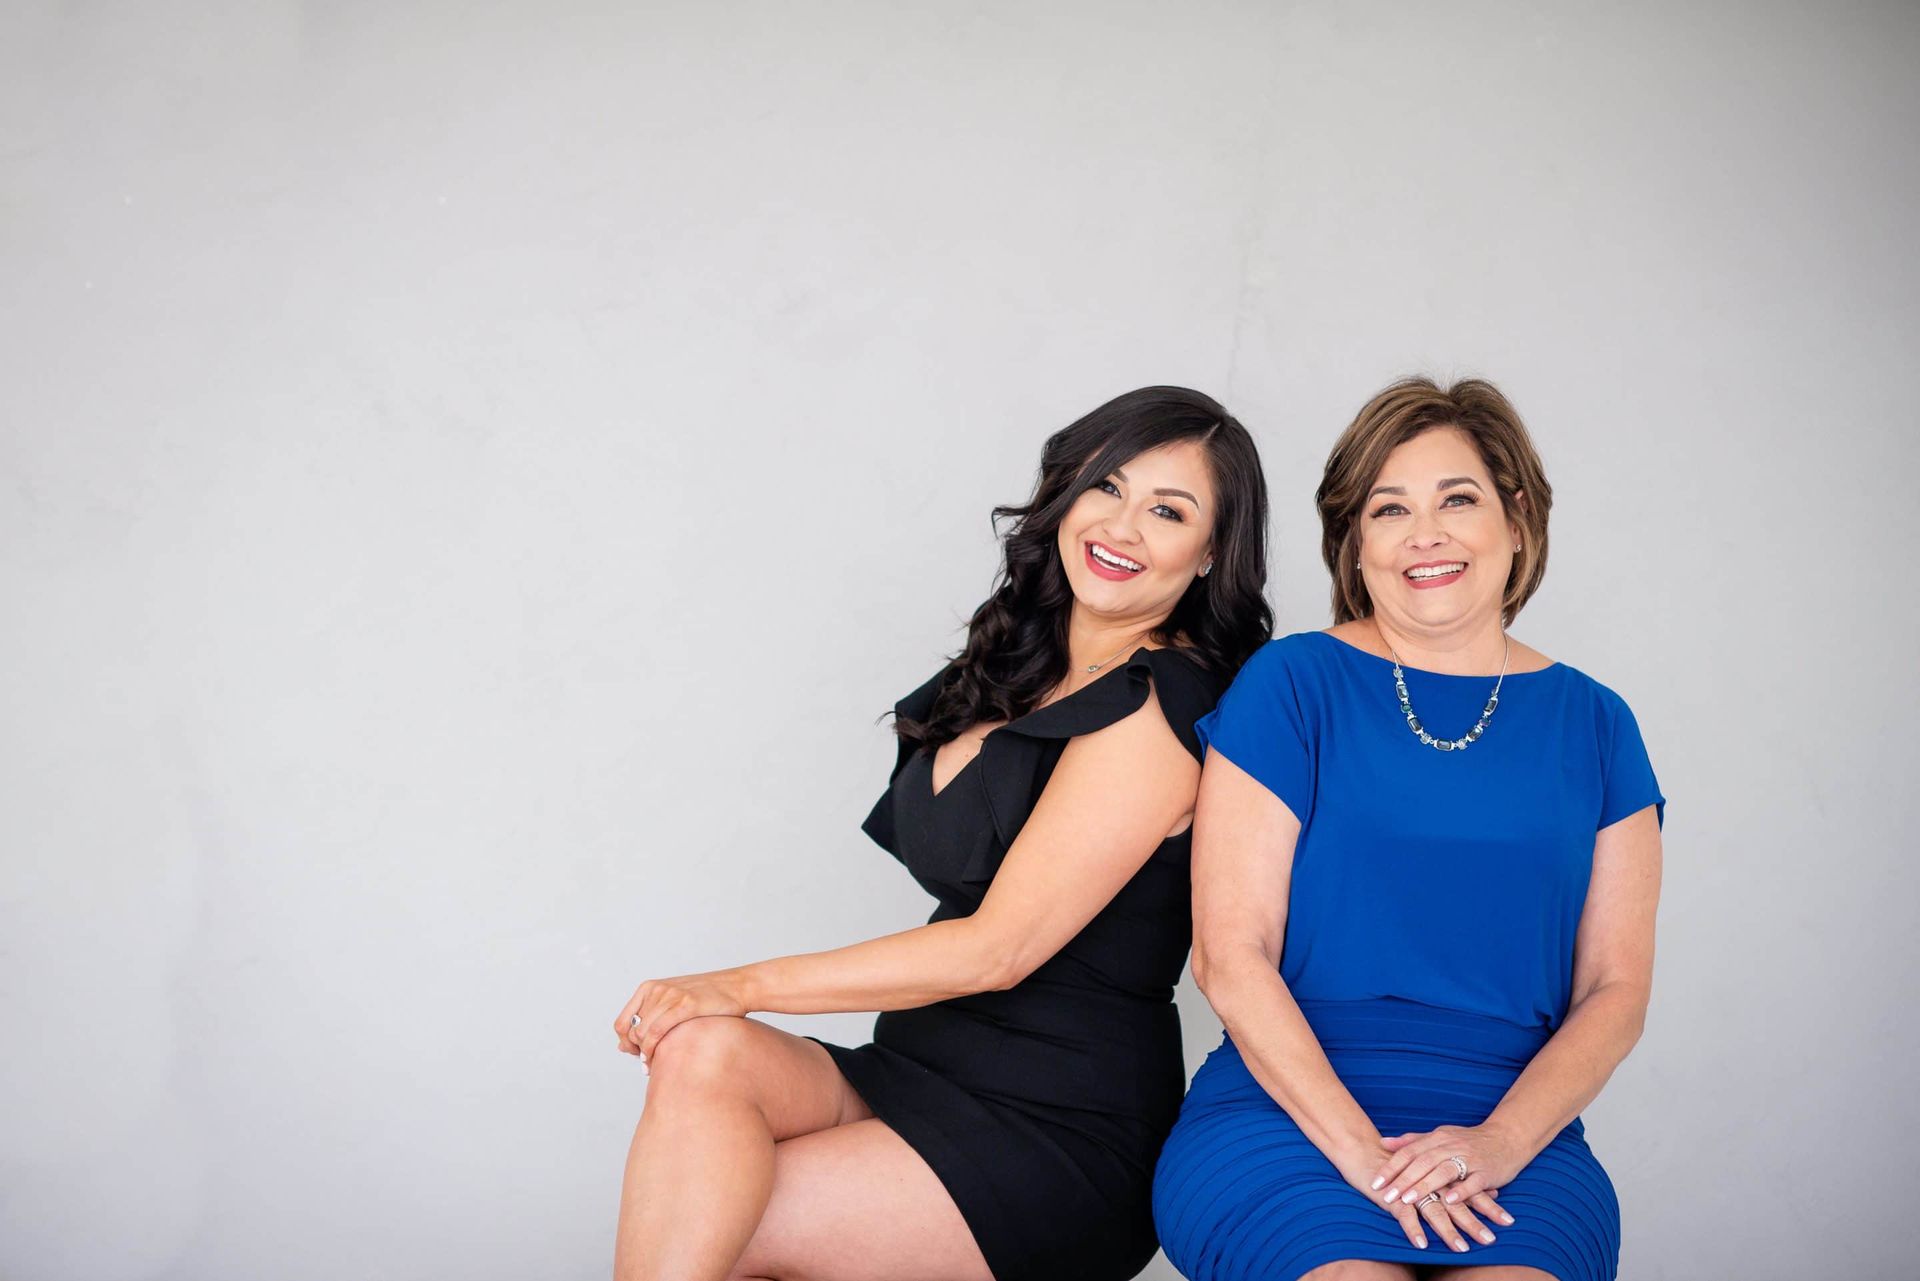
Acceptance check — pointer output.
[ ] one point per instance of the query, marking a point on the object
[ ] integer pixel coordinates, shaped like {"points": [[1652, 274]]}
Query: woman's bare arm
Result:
{"points": [[1612, 982], [1111, 800]]}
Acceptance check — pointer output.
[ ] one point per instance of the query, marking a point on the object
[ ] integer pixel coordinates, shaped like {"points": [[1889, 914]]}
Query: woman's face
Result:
{"points": [[1436, 544], [1134, 541]]}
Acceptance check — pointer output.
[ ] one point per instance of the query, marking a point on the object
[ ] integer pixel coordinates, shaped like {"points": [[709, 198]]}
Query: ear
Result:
{"points": [[1519, 504]]}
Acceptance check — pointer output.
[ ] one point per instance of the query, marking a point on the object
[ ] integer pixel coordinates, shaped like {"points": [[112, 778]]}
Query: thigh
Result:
{"points": [[792, 1081], [855, 1203], [1502, 1273]]}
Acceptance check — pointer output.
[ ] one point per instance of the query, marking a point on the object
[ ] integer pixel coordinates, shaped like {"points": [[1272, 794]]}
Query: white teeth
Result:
{"points": [[1435, 571], [1108, 558]]}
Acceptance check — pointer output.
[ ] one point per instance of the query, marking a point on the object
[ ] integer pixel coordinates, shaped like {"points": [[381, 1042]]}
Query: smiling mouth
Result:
{"points": [[1111, 564], [1435, 575]]}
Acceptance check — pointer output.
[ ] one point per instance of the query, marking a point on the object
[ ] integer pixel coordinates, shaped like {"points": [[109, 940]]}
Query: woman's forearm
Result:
{"points": [[895, 972], [1567, 1073], [1284, 1056]]}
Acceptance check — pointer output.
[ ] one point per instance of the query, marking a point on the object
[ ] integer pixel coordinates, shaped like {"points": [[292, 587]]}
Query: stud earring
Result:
{"points": [[1206, 569]]}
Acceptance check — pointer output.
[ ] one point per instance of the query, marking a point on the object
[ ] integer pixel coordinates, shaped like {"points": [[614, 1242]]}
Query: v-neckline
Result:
{"points": [[932, 757]]}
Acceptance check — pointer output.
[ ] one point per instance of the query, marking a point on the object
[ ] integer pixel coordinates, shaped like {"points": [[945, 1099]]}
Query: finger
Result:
{"points": [[657, 997], [638, 1005], [1410, 1224], [1486, 1205], [1464, 1189], [1416, 1169], [1436, 1213], [627, 1011], [1395, 1146], [659, 1024], [1438, 1178], [1393, 1175], [1469, 1223]]}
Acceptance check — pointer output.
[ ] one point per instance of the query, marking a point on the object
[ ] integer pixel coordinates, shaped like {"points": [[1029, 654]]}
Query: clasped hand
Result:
{"points": [[1421, 1164], [664, 1004], [1401, 1171]]}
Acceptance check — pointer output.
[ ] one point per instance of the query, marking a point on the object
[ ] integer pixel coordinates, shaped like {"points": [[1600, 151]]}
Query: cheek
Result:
{"points": [[1078, 517], [1177, 548]]}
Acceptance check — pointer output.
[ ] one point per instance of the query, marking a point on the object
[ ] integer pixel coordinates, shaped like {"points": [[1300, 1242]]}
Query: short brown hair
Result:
{"points": [[1410, 408]]}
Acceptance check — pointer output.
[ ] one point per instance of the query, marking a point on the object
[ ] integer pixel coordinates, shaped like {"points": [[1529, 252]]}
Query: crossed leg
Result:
{"points": [[752, 1142]]}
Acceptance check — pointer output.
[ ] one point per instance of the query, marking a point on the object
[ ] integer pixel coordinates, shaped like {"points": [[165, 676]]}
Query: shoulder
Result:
{"points": [[1292, 660], [1602, 705], [1156, 690], [1179, 675], [918, 705]]}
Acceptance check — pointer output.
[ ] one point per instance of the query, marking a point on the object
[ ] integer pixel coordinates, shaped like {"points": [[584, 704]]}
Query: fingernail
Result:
{"points": [[1377, 1182], [1460, 1246], [1391, 1194], [1452, 1197], [1507, 1219], [1487, 1237], [1421, 1242]]}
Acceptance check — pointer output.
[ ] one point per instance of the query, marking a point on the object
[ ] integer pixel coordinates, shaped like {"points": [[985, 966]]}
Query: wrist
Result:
{"points": [[1510, 1137], [748, 987], [1355, 1145]]}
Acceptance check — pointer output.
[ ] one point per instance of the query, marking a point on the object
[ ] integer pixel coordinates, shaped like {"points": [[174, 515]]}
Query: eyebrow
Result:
{"points": [[1165, 493], [1449, 483]]}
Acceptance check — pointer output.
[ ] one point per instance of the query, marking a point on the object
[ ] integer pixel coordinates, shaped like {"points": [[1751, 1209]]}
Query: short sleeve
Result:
{"points": [[1630, 785], [1261, 726]]}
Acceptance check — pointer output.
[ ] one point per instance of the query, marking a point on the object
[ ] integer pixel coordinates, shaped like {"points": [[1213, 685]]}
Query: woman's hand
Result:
{"points": [[663, 1004], [1421, 1164], [1357, 1167]]}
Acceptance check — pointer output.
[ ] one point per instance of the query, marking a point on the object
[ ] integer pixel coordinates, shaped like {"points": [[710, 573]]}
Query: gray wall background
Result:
{"points": [[473, 476]]}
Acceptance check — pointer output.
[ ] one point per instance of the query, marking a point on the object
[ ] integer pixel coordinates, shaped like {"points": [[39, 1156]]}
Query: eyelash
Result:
{"points": [[1167, 513], [1389, 508]]}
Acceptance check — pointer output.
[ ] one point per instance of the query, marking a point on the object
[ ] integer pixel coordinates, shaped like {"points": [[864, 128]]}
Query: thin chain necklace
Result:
{"points": [[1127, 648], [1479, 727]]}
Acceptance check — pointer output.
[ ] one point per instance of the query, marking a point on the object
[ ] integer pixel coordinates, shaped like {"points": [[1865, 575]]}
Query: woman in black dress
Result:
{"points": [[1005, 1120]]}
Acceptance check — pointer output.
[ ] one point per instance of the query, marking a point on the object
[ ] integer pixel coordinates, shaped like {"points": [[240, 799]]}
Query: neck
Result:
{"points": [[1477, 648], [1102, 640]]}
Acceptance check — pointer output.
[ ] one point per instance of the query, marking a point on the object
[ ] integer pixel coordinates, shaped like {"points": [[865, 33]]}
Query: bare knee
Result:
{"points": [[1359, 1270], [704, 1054]]}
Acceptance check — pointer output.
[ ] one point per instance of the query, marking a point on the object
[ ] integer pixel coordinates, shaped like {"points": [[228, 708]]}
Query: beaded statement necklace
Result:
{"points": [[1449, 744]]}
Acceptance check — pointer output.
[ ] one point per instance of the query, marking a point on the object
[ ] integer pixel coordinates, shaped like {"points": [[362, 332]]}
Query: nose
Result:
{"points": [[1122, 527], [1426, 531]]}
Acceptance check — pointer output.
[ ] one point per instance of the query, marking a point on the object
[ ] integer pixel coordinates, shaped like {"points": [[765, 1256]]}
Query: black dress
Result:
{"points": [[1041, 1108]]}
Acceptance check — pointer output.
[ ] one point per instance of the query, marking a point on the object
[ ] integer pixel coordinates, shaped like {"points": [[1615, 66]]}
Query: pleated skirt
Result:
{"points": [[1240, 1194]]}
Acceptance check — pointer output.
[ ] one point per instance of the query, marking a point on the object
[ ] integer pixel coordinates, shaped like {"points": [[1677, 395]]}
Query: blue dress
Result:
{"points": [[1430, 929]]}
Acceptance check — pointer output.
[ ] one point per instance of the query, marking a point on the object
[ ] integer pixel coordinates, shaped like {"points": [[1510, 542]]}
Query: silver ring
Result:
{"points": [[1427, 1200], [1459, 1165], [634, 1021]]}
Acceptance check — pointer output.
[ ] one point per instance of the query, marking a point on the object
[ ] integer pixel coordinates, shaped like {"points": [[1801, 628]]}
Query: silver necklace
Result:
{"points": [[1471, 736], [1128, 647]]}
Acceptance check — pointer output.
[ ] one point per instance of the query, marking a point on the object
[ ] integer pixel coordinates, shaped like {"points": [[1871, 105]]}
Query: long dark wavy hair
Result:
{"points": [[1016, 648]]}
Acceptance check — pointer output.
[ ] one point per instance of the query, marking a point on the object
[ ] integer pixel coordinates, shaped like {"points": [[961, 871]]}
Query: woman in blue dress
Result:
{"points": [[1426, 863]]}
